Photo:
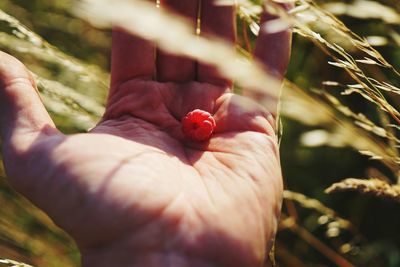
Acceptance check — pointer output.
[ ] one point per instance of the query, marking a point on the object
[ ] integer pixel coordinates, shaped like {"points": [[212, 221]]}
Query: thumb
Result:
{"points": [[23, 118]]}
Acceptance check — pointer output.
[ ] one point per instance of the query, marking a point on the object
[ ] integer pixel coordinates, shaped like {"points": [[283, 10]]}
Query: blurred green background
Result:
{"points": [[78, 58]]}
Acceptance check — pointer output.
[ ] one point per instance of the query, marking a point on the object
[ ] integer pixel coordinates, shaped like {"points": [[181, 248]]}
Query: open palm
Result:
{"points": [[134, 186]]}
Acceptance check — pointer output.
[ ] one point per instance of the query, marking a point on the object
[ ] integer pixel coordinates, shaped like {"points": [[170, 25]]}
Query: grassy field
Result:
{"points": [[340, 120]]}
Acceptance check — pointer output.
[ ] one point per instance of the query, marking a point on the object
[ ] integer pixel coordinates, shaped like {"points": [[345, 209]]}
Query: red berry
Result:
{"points": [[198, 125]]}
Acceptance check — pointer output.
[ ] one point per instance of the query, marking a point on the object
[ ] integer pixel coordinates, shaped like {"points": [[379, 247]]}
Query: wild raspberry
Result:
{"points": [[198, 125]]}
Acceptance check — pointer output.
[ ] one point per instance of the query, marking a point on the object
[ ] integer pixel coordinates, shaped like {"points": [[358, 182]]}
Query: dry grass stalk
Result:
{"points": [[374, 187], [286, 256], [364, 9], [13, 263], [345, 61], [27, 42], [301, 106], [316, 205], [64, 101], [314, 242]]}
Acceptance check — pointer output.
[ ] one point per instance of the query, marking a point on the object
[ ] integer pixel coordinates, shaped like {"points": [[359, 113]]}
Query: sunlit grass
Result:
{"points": [[74, 92]]}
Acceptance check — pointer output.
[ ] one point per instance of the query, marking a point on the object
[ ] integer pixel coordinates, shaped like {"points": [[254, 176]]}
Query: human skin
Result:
{"points": [[133, 191]]}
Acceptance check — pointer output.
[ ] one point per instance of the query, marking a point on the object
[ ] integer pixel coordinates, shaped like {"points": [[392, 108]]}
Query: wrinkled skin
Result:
{"points": [[134, 191]]}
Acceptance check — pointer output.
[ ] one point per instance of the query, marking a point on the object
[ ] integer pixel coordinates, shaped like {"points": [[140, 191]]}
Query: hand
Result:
{"points": [[134, 191]]}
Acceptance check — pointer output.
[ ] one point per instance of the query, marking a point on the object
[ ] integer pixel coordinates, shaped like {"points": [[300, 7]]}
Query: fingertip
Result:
{"points": [[273, 47], [219, 21], [172, 68], [131, 57]]}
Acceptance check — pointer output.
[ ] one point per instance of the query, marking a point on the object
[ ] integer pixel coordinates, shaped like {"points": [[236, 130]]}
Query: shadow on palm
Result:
{"points": [[134, 181], [141, 134]]}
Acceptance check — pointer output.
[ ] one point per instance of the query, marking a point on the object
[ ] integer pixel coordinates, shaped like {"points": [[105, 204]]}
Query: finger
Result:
{"points": [[218, 20], [23, 118], [175, 68], [131, 57], [273, 48]]}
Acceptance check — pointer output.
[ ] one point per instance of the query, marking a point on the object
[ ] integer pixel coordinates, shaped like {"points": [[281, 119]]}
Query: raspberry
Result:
{"points": [[198, 125]]}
